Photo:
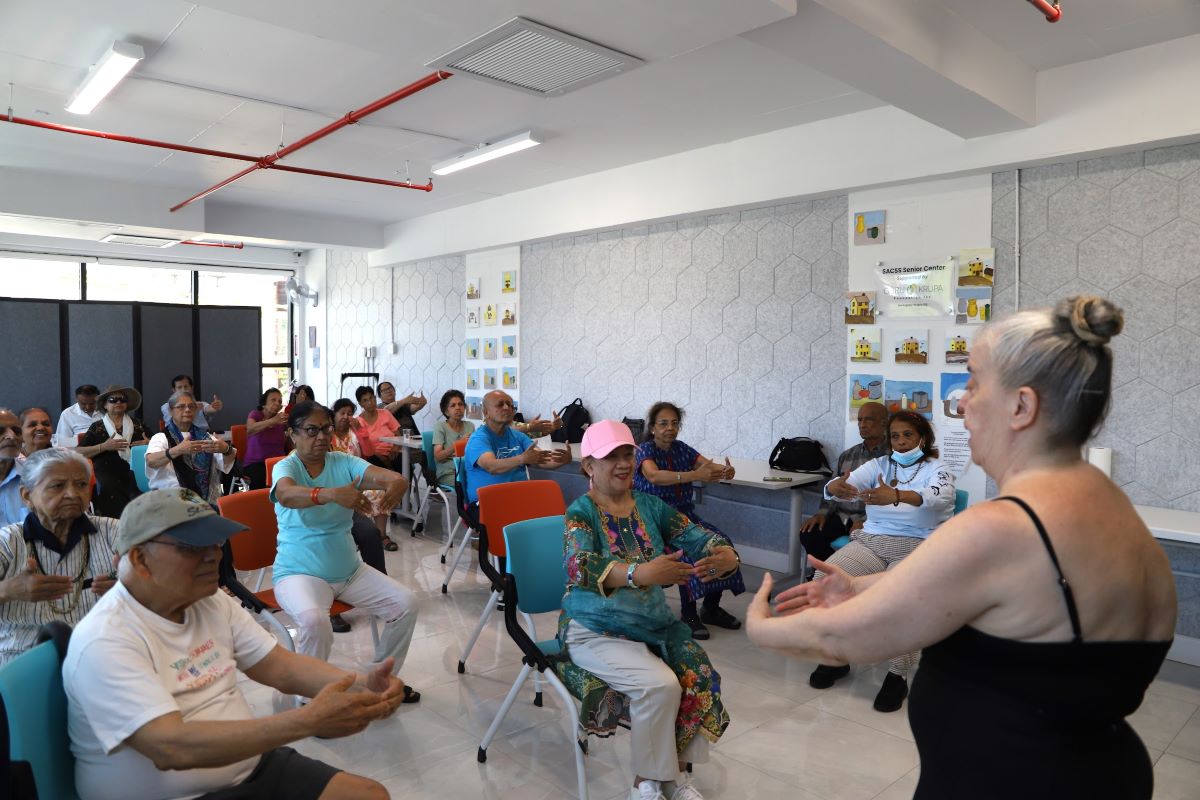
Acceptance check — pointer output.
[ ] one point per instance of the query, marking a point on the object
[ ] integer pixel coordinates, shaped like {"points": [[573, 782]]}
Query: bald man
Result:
{"points": [[836, 518], [496, 453]]}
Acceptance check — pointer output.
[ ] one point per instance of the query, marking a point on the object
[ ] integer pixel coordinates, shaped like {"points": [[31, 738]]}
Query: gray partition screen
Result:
{"points": [[166, 352], [30, 333], [230, 341], [100, 343]]}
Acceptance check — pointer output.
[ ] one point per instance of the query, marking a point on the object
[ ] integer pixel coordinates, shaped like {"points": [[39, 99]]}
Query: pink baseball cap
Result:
{"points": [[602, 437]]}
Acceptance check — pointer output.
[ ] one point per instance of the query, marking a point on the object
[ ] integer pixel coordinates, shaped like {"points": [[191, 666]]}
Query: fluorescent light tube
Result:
{"points": [[504, 147], [104, 76]]}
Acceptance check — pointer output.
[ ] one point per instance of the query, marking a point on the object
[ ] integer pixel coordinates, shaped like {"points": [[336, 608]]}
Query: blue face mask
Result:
{"points": [[909, 458]]}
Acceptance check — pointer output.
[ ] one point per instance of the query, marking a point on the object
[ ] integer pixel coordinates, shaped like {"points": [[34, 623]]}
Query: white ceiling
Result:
{"points": [[227, 74]]}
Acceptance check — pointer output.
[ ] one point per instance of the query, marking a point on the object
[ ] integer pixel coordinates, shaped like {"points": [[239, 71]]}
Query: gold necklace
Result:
{"points": [[77, 582]]}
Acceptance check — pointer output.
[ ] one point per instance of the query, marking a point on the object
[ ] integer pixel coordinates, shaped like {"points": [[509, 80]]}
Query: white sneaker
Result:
{"points": [[648, 790], [683, 789]]}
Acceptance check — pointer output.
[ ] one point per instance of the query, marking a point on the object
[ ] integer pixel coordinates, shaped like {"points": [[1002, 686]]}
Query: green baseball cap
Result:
{"points": [[180, 513]]}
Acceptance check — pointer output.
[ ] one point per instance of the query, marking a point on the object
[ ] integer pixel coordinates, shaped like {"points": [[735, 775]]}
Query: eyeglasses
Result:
{"points": [[186, 406], [669, 423], [188, 549], [16, 429], [116, 398], [312, 431]]}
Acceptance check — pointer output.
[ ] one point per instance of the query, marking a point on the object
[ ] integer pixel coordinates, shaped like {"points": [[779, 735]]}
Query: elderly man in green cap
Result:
{"points": [[154, 709]]}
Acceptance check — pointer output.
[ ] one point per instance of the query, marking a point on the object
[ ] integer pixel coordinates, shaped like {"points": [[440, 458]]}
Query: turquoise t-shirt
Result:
{"points": [[508, 444], [316, 541]]}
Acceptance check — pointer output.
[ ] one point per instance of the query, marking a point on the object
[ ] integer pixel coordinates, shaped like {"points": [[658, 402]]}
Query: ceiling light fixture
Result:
{"points": [[486, 152], [104, 76]]}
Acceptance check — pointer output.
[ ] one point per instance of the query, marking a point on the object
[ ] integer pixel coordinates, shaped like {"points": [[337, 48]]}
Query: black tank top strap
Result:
{"points": [[1068, 596]]}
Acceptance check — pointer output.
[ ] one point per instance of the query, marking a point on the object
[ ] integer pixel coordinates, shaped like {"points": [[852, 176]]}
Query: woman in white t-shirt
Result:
{"points": [[317, 492], [907, 493]]}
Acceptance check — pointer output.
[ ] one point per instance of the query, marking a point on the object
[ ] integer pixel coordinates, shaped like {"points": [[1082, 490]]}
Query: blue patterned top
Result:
{"points": [[680, 458]]}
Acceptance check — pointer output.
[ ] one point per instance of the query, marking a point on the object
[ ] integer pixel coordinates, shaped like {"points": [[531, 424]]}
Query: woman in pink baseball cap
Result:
{"points": [[616, 624]]}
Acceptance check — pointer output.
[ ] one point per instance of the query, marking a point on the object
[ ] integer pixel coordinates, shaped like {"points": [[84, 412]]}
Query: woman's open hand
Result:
{"points": [[710, 568], [665, 570], [832, 588]]}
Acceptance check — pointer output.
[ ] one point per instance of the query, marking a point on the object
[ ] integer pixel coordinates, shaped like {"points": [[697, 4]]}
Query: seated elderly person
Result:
{"points": [[317, 492], [448, 431], [186, 454], [265, 437], [836, 517], [402, 409], [907, 495], [183, 383], [76, 419], [12, 507], [155, 710], [107, 443], [615, 622], [37, 431], [498, 454], [57, 563]]}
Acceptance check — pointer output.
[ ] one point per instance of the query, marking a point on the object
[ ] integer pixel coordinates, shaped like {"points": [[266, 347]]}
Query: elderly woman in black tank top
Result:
{"points": [[1044, 613]]}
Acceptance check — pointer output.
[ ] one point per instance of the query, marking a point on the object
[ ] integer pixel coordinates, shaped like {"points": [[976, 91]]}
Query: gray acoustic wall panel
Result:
{"points": [[1125, 227], [230, 352], [166, 352], [100, 341], [30, 335]]}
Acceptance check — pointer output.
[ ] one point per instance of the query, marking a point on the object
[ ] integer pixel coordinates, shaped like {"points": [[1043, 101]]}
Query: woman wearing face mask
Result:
{"points": [[907, 495]]}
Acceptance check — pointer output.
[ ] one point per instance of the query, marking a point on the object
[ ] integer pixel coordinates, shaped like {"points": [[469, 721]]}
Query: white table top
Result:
{"points": [[1170, 524], [411, 442], [747, 472]]}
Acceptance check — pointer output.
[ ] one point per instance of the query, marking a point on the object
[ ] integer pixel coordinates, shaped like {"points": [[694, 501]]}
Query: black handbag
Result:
{"points": [[799, 454]]}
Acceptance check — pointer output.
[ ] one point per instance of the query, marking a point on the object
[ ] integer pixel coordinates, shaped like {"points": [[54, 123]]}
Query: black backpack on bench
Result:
{"points": [[799, 454], [574, 419]]}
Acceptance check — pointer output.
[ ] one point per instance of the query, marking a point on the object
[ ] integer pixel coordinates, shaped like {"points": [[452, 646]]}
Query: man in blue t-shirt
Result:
{"points": [[498, 454]]}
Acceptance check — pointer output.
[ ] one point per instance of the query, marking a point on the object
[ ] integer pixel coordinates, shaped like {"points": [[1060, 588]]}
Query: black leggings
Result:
{"points": [[370, 546]]}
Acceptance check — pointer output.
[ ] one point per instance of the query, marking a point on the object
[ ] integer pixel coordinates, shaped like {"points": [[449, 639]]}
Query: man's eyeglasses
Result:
{"points": [[187, 549], [116, 398], [312, 431]]}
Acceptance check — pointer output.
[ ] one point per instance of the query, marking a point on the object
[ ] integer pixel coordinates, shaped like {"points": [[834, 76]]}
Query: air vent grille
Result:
{"points": [[533, 58]]}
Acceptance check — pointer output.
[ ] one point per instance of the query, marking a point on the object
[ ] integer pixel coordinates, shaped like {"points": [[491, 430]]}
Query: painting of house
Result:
{"points": [[958, 347], [865, 344], [976, 267], [912, 347], [858, 308]]}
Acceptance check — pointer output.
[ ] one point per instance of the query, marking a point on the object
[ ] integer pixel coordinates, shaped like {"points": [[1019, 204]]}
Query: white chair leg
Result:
{"points": [[483, 618], [481, 755], [462, 548], [577, 744], [531, 629]]}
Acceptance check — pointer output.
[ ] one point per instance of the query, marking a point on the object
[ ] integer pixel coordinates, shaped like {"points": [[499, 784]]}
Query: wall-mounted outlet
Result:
{"points": [[395, 347]]}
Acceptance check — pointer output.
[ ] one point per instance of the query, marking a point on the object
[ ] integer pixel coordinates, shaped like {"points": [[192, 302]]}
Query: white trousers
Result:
{"points": [[653, 690], [307, 599]]}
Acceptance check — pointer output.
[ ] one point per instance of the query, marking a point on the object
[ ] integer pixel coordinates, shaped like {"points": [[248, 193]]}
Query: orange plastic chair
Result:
{"points": [[271, 462], [237, 436], [500, 505], [254, 549]]}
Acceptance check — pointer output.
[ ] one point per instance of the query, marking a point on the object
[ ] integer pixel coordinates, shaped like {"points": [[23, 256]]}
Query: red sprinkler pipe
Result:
{"points": [[354, 116], [1052, 10], [204, 151], [231, 245]]}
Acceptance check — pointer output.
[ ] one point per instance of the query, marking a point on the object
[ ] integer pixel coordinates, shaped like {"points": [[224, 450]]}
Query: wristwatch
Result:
{"points": [[629, 576]]}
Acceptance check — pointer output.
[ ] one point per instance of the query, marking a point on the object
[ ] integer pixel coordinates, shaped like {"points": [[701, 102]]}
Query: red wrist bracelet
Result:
{"points": [[315, 496]]}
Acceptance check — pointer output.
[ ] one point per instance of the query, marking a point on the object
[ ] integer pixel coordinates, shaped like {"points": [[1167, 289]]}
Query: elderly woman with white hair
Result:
{"points": [[186, 454], [57, 563], [1044, 613]]}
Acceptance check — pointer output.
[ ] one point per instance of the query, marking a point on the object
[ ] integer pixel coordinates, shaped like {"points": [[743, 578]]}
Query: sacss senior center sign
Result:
{"points": [[917, 291]]}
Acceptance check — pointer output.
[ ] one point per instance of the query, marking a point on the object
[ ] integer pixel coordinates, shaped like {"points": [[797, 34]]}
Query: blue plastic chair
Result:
{"points": [[535, 564], [36, 706], [137, 463], [441, 489], [464, 518], [961, 498]]}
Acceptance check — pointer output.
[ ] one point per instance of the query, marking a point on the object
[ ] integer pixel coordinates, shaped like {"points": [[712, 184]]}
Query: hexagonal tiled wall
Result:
{"points": [[1126, 227], [429, 324], [727, 314]]}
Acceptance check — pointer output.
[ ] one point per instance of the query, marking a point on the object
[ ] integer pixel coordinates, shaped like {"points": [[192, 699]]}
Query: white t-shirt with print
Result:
{"points": [[127, 666]]}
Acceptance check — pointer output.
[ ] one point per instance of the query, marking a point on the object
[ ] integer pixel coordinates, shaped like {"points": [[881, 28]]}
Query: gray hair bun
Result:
{"points": [[1093, 319]]}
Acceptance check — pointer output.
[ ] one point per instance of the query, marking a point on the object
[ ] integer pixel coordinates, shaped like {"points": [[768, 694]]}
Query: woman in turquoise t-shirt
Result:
{"points": [[316, 493]]}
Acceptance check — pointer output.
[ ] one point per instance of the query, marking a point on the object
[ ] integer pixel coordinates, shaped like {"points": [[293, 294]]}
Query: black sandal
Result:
{"points": [[411, 695], [390, 546]]}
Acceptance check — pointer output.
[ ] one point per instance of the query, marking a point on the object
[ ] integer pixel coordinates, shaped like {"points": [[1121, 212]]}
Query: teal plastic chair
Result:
{"points": [[961, 497], [535, 564], [443, 491], [137, 463], [36, 707], [460, 495]]}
